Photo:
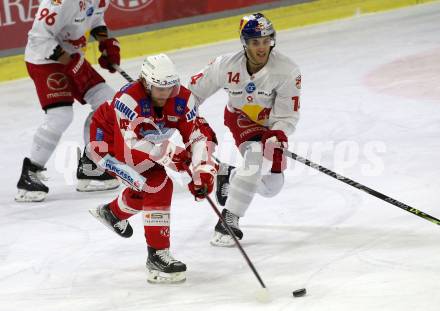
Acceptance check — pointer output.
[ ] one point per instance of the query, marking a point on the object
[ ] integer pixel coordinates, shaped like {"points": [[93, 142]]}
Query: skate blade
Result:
{"points": [[30, 196], [91, 185], [94, 213], [158, 277], [222, 240]]}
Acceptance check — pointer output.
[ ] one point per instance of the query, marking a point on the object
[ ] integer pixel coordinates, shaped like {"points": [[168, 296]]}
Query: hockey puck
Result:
{"points": [[299, 292]]}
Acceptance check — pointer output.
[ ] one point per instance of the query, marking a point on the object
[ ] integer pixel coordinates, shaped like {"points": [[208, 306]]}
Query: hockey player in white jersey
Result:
{"points": [[262, 111], [55, 61]]}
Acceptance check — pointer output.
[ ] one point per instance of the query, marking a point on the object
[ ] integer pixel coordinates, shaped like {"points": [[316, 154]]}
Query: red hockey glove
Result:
{"points": [[272, 141], [81, 74], [202, 181], [112, 54]]}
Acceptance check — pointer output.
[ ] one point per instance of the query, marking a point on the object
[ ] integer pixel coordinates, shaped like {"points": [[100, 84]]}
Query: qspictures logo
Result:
{"points": [[130, 5]]}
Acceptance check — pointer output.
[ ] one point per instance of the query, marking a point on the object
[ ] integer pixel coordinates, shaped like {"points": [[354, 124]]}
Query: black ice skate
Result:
{"points": [[163, 268], [104, 215], [222, 181], [30, 186], [91, 178], [221, 235]]}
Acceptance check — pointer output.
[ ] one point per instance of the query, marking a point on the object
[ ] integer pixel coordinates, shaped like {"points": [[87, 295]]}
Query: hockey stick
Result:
{"points": [[361, 187], [123, 73], [231, 233]]}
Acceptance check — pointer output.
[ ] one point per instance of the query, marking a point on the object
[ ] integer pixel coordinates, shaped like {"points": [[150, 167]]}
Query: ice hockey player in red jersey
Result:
{"points": [[130, 138], [55, 61], [262, 110]]}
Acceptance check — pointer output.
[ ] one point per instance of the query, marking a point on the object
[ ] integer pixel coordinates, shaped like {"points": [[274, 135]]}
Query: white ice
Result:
{"points": [[370, 111]]}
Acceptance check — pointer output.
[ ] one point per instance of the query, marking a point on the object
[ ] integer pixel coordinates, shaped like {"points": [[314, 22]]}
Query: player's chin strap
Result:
{"points": [[359, 186], [231, 233]]}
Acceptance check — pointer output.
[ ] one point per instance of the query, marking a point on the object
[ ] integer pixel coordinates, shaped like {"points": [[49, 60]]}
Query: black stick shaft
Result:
{"points": [[123, 73], [361, 187], [231, 233]]}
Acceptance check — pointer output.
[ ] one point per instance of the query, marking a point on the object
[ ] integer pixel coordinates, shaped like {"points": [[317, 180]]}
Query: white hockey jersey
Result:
{"points": [[270, 97], [65, 23]]}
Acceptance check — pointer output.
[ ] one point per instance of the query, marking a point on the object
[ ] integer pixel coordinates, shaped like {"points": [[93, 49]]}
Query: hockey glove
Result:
{"points": [[110, 54], [272, 141], [81, 74], [202, 181]]}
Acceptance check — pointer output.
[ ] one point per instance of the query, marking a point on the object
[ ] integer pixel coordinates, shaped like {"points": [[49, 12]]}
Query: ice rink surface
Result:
{"points": [[370, 110]]}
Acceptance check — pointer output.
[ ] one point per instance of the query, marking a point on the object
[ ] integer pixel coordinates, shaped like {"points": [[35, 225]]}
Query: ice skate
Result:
{"points": [[91, 178], [30, 187], [163, 268], [221, 236], [104, 215]]}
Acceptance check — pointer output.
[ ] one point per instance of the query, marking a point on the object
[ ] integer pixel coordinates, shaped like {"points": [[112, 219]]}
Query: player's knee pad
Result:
{"points": [[270, 185], [253, 159], [244, 183], [98, 94], [48, 134], [58, 119]]}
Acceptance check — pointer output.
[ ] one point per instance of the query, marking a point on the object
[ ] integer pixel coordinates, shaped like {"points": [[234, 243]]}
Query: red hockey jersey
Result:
{"points": [[131, 125]]}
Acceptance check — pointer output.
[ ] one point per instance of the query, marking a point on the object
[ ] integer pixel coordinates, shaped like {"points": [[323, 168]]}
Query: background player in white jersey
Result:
{"points": [[262, 110], [55, 61]]}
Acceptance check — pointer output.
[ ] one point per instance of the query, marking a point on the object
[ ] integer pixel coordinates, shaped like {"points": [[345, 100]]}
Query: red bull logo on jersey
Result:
{"points": [[256, 113], [264, 114]]}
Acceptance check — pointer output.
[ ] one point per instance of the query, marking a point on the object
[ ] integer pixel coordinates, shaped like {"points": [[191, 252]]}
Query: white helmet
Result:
{"points": [[159, 71]]}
